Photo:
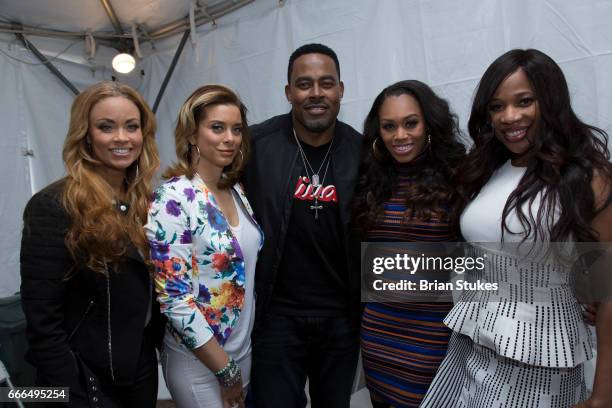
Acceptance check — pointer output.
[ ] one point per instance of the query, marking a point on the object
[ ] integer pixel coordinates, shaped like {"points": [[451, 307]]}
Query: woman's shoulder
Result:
{"points": [[45, 214], [54, 189], [48, 200], [174, 194], [175, 181], [174, 187], [602, 189]]}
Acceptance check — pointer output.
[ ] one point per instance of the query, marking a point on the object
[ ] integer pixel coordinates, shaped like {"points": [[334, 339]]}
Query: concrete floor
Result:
{"points": [[360, 399]]}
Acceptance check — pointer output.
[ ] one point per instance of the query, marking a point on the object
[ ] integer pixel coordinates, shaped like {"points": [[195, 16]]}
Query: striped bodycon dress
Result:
{"points": [[404, 343]]}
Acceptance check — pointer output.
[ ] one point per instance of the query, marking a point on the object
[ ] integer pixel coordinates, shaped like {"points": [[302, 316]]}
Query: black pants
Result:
{"points": [[289, 349], [143, 392]]}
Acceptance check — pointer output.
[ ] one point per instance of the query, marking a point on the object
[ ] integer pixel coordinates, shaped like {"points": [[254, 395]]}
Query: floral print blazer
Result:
{"points": [[199, 266]]}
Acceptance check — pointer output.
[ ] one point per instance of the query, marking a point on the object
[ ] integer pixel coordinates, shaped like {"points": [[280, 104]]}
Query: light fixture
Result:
{"points": [[124, 63]]}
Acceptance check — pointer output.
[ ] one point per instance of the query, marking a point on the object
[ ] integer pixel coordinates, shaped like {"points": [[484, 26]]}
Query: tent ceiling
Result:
{"points": [[153, 17]]}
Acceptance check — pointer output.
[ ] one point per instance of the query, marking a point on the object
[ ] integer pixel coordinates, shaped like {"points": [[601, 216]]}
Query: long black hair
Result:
{"points": [[378, 174], [564, 154]]}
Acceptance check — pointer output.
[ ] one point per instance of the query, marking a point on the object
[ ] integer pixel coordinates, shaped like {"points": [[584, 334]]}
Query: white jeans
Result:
{"points": [[191, 383]]}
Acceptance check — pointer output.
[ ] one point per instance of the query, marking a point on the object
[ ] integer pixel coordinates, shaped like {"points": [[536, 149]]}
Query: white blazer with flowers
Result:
{"points": [[199, 266]]}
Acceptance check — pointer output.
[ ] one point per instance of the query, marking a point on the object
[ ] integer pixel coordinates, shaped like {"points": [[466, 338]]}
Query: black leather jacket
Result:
{"points": [[269, 180], [88, 320]]}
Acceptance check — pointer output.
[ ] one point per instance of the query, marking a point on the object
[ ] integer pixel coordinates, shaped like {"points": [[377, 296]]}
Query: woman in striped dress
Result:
{"points": [[404, 194]]}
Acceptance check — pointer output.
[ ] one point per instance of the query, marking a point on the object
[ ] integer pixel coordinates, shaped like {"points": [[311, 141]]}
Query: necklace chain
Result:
{"points": [[314, 179]]}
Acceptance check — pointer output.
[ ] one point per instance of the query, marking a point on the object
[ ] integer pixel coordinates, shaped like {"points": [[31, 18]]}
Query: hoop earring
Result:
{"points": [[241, 156], [376, 153]]}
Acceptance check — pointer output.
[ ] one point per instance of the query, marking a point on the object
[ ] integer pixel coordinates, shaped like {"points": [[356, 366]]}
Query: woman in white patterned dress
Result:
{"points": [[535, 174]]}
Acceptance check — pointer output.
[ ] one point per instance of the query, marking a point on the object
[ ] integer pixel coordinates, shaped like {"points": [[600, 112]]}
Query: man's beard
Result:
{"points": [[317, 125]]}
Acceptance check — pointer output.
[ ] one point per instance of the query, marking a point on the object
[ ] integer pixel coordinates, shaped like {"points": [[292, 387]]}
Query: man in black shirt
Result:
{"points": [[300, 181]]}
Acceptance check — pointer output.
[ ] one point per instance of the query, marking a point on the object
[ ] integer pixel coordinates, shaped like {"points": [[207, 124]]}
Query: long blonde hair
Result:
{"points": [[99, 234], [192, 112]]}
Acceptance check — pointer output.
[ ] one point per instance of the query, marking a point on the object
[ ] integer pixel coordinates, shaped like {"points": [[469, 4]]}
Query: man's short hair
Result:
{"points": [[312, 49]]}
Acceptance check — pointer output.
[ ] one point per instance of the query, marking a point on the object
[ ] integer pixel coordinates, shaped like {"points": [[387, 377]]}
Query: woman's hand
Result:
{"points": [[601, 397], [589, 313], [216, 359], [595, 402], [233, 397]]}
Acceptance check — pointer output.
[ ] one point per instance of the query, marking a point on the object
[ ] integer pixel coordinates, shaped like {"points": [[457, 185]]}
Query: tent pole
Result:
{"points": [[202, 17], [177, 54], [110, 12], [47, 63]]}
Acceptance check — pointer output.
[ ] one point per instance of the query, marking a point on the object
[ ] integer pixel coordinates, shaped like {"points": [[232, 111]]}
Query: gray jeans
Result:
{"points": [[190, 382]]}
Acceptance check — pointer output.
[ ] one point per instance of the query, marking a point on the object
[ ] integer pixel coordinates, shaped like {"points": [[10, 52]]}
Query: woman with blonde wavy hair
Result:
{"points": [[85, 286], [204, 245]]}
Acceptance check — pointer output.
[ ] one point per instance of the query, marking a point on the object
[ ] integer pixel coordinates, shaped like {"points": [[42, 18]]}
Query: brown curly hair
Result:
{"points": [[99, 234]]}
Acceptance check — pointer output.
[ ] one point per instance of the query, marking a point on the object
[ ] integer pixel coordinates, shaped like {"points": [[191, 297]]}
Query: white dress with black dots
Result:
{"points": [[523, 345]]}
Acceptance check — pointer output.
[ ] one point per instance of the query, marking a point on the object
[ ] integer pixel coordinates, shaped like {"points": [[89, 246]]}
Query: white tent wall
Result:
{"points": [[445, 43], [34, 112]]}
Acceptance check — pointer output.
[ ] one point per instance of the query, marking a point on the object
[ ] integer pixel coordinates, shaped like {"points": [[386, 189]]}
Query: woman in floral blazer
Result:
{"points": [[204, 246]]}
